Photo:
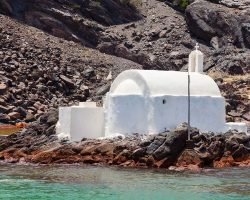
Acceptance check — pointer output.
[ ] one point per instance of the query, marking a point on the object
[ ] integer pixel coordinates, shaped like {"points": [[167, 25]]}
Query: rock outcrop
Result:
{"points": [[212, 22], [38, 144]]}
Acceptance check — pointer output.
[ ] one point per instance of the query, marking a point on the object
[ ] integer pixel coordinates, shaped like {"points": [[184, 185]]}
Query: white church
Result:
{"points": [[150, 102]]}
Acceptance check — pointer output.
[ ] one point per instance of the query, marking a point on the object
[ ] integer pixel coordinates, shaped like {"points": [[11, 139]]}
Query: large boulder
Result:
{"points": [[175, 142], [246, 33]]}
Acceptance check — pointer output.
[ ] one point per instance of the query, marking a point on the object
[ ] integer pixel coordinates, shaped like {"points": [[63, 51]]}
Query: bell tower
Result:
{"points": [[195, 63]]}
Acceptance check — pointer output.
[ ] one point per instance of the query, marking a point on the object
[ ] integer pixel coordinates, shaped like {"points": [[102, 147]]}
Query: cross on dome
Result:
{"points": [[197, 46]]}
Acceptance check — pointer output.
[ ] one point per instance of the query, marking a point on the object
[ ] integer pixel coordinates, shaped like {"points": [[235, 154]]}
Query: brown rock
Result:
{"points": [[128, 163], [122, 157], [227, 161], [241, 154], [3, 109], [164, 163], [88, 159], [189, 157], [105, 149], [88, 149], [67, 81], [3, 88], [37, 105], [4, 118], [2, 102], [14, 115]]}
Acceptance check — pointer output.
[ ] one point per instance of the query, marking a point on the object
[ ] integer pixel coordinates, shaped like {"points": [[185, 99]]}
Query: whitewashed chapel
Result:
{"points": [[150, 102]]}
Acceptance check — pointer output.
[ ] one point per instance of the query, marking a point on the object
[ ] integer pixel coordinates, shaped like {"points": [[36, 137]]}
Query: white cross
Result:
{"points": [[197, 46]]}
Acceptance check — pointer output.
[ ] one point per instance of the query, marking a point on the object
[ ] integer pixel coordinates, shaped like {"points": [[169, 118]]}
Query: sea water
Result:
{"points": [[70, 182]]}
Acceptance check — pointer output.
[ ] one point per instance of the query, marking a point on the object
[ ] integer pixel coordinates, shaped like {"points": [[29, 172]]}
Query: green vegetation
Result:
{"points": [[181, 3]]}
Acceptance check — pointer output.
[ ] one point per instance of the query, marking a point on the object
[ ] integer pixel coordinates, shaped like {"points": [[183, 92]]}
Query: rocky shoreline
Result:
{"points": [[39, 144]]}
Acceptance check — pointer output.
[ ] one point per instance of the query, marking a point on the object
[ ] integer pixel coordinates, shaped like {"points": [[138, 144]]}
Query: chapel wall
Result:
{"points": [[126, 114], [86, 122], [207, 113]]}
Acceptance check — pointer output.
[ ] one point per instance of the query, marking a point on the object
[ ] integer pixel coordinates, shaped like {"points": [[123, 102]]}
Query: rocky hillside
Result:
{"points": [[39, 72], [76, 43]]}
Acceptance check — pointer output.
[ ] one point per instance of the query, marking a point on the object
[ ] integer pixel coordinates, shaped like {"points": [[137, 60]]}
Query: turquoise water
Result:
{"points": [[80, 182]]}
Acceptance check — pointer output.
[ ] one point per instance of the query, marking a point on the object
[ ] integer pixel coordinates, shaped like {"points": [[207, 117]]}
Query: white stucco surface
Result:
{"points": [[78, 122], [87, 104], [131, 114], [86, 122], [63, 125], [195, 63], [207, 113], [126, 114], [153, 82], [149, 101]]}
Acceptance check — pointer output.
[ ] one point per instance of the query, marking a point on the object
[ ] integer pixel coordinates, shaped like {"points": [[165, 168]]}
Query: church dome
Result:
{"points": [[153, 82]]}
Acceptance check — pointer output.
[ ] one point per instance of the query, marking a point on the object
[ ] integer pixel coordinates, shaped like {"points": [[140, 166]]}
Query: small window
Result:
{"points": [[164, 101]]}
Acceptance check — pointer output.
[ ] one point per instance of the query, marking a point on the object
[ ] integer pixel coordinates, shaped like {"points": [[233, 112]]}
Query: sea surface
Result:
{"points": [[67, 182]]}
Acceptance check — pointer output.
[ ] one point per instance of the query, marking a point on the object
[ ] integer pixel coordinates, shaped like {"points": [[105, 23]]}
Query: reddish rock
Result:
{"points": [[189, 157], [43, 157], [105, 149], [121, 157], [129, 163], [89, 159], [164, 163], [88, 149], [227, 161]]}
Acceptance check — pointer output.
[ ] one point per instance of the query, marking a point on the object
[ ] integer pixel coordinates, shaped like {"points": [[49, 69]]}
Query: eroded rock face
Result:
{"points": [[80, 21], [207, 20]]}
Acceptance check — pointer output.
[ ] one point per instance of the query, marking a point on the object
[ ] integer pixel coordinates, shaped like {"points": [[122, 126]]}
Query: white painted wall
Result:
{"points": [[135, 102], [148, 101], [87, 104], [78, 122], [153, 82], [195, 63], [86, 122], [126, 114], [207, 113], [63, 125], [129, 114]]}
